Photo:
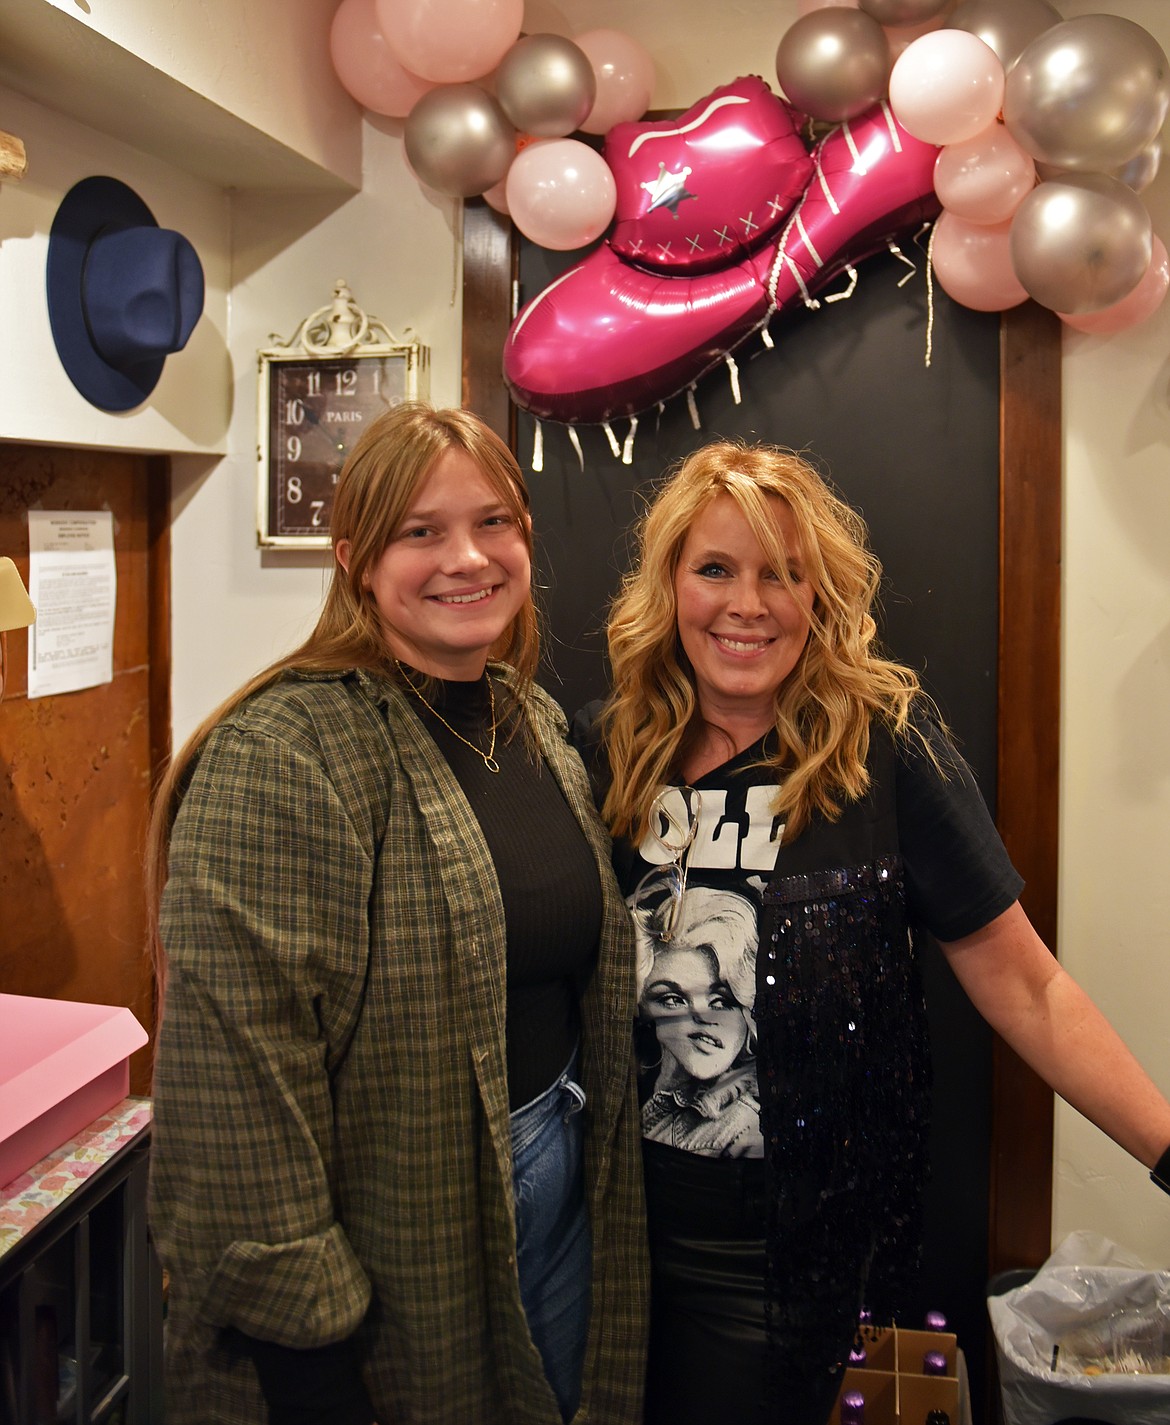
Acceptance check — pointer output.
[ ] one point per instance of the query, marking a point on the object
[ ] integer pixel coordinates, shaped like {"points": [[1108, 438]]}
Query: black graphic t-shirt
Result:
{"points": [[696, 967], [696, 1033]]}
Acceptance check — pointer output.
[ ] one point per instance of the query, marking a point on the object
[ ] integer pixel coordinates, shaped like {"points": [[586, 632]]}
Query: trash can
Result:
{"points": [[1085, 1337]]}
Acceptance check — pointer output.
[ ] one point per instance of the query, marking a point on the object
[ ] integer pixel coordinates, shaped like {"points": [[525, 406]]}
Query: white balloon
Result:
{"points": [[946, 87], [561, 193]]}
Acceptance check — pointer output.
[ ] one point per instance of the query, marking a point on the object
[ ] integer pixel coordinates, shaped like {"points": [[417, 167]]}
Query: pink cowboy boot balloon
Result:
{"points": [[701, 191], [609, 337]]}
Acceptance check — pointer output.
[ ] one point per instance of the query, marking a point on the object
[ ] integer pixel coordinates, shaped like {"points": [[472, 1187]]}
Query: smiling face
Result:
{"points": [[453, 575], [742, 627], [696, 1017]]}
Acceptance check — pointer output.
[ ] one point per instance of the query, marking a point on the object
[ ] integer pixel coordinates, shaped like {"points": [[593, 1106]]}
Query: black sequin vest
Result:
{"points": [[844, 1078]]}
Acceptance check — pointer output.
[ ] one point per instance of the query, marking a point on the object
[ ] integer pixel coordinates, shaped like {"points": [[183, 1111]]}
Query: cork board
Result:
{"points": [[76, 769]]}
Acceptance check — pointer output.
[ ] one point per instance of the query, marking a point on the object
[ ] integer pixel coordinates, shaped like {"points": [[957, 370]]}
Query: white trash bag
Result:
{"points": [[1088, 1335]]}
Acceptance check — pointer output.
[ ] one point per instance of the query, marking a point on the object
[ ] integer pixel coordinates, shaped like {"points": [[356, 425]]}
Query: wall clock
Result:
{"points": [[317, 393]]}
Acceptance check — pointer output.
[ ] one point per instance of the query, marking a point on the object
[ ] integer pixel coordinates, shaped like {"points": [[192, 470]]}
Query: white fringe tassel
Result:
{"points": [[628, 444], [733, 372], [575, 442]]}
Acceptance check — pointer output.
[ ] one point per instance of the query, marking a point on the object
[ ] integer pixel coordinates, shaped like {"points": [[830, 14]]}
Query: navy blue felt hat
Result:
{"points": [[124, 294]]}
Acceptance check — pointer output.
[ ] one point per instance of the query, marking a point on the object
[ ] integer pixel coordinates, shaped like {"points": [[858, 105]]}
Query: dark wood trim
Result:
{"points": [[1029, 748], [158, 514], [158, 500], [488, 263]]}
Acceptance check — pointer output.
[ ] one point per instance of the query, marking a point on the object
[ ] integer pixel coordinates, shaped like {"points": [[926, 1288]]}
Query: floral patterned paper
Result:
{"points": [[28, 1199]]}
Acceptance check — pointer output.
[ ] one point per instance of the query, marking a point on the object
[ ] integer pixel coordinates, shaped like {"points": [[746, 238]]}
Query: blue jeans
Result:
{"points": [[553, 1241]]}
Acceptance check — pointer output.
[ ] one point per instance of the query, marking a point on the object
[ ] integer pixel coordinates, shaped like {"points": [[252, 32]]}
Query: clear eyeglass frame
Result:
{"points": [[671, 876]]}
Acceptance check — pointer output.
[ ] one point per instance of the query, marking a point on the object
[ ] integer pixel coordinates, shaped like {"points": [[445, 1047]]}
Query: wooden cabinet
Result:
{"points": [[81, 1293]]}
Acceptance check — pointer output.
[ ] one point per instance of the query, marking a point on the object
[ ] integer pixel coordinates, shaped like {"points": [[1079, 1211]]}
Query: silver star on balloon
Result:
{"points": [[668, 190]]}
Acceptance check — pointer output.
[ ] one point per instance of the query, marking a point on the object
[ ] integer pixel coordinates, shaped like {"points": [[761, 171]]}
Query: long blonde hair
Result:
{"points": [[375, 489], [824, 707]]}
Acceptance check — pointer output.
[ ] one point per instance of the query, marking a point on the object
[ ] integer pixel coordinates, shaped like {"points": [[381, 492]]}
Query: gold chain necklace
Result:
{"points": [[489, 760]]}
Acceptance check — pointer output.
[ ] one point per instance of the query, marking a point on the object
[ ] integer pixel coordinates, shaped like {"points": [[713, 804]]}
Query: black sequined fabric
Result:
{"points": [[844, 1089]]}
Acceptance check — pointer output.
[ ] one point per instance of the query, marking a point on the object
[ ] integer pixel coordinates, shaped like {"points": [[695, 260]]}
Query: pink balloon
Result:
{"points": [[560, 193], [496, 196], [625, 78], [872, 181], [946, 87], [973, 264], [607, 338], [984, 179], [450, 41], [1142, 302], [745, 146], [806, 7], [365, 65]]}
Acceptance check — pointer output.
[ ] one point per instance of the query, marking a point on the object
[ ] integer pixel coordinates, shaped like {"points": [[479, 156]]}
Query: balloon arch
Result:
{"points": [[1023, 138]]}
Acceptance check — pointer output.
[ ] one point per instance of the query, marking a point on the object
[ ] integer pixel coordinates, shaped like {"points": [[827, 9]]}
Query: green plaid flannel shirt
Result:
{"points": [[331, 1140]]}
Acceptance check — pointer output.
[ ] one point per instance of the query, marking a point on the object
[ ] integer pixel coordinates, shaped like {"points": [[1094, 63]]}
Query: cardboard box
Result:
{"points": [[918, 1395], [895, 1388], [881, 1351], [879, 1390], [62, 1064], [912, 1347]]}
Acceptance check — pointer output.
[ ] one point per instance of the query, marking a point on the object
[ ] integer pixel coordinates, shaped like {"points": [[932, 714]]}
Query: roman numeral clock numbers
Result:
{"points": [[316, 396]]}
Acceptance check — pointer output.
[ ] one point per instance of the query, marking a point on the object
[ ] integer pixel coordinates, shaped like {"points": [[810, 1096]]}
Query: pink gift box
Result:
{"points": [[62, 1064]]}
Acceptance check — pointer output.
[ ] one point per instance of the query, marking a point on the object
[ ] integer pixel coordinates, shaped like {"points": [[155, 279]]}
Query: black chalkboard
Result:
{"points": [[916, 450]]}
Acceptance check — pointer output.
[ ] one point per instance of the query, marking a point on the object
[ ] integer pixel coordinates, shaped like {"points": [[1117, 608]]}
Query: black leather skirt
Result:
{"points": [[710, 1358]]}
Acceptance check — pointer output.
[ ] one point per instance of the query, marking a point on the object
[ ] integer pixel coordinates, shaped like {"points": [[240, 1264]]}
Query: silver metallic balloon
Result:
{"points": [[834, 63], [1008, 26], [546, 85], [902, 12], [1137, 174], [1089, 93], [458, 140], [1081, 242], [1142, 169]]}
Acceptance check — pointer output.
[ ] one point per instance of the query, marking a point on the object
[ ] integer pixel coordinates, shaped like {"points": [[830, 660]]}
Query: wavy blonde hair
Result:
{"points": [[824, 707], [375, 490]]}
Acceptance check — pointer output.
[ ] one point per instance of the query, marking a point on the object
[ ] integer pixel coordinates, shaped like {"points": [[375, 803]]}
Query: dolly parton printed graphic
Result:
{"points": [[696, 971]]}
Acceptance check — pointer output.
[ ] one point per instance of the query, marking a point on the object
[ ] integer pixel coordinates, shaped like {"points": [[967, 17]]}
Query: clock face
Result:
{"points": [[316, 409]]}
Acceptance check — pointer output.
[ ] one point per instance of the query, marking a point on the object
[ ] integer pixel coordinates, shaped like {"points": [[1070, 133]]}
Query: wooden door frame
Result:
{"points": [[1028, 713]]}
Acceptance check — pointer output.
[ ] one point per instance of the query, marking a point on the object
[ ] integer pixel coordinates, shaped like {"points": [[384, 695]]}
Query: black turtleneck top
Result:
{"points": [[545, 867]]}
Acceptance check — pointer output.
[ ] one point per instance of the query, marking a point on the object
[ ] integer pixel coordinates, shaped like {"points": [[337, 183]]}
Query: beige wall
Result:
{"points": [[1115, 785], [307, 192], [397, 250], [228, 121]]}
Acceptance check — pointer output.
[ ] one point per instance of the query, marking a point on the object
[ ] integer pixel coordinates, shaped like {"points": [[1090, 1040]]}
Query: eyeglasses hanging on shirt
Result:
{"points": [[674, 823]]}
